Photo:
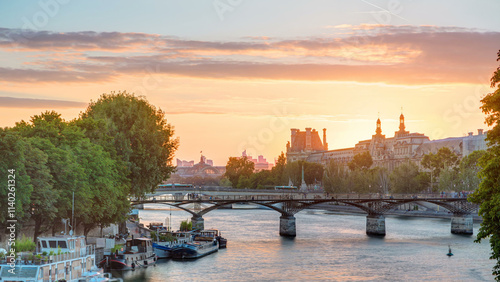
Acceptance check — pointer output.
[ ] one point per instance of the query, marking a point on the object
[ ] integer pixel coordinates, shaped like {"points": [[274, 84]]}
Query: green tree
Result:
{"points": [[13, 153], [381, 178], [469, 168], [313, 172], [361, 161], [43, 209], [294, 172], [436, 162], [448, 179], [359, 181], [262, 179], [406, 179], [137, 134], [237, 167], [335, 178], [488, 193], [279, 171]]}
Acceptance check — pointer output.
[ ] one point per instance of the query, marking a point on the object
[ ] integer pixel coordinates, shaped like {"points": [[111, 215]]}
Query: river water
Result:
{"points": [[327, 247]]}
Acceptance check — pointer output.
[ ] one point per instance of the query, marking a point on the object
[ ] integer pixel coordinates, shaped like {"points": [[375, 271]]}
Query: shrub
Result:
{"points": [[25, 245]]}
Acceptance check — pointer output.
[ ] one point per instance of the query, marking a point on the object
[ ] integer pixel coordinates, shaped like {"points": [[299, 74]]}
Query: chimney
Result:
{"points": [[480, 132], [325, 145], [471, 133], [293, 136], [308, 139]]}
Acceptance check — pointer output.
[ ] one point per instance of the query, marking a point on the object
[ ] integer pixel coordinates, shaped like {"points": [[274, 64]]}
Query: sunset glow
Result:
{"points": [[241, 81]]}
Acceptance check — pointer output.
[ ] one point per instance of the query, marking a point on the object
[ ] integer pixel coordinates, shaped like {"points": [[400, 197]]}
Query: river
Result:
{"points": [[327, 247]]}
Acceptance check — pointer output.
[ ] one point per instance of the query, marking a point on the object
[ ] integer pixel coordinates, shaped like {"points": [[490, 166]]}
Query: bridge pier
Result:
{"points": [[375, 225], [198, 223], [462, 224], [287, 226]]}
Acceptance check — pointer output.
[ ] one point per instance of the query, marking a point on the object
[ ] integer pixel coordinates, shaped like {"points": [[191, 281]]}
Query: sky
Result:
{"points": [[236, 75]]}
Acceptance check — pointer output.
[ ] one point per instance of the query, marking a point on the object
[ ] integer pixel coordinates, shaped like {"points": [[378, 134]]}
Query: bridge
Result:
{"points": [[290, 204]]}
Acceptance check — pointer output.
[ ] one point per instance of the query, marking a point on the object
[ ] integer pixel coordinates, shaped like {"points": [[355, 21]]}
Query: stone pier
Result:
{"points": [[198, 223], [462, 224], [375, 225], [287, 226]]}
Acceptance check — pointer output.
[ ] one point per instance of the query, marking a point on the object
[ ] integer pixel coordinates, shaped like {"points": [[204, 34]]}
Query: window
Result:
{"points": [[53, 244], [44, 244], [62, 244]]}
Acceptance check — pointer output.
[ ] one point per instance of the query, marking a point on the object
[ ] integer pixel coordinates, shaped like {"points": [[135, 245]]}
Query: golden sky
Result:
{"points": [[245, 89]]}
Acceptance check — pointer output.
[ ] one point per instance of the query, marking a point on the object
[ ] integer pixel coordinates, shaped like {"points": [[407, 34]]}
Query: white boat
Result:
{"points": [[57, 258]]}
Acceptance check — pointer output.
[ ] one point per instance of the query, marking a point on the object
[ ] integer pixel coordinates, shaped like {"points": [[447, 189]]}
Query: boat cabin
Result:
{"points": [[138, 245], [57, 258], [207, 235], [61, 244]]}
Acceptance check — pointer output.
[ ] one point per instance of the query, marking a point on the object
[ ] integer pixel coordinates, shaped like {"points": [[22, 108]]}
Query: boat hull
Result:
{"points": [[161, 251], [194, 251], [127, 262]]}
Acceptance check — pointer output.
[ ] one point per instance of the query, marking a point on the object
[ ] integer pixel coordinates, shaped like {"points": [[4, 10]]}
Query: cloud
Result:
{"points": [[10, 102], [371, 53]]}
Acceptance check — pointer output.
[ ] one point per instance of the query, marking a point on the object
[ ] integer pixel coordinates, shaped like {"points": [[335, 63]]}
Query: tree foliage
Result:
{"points": [[335, 178], [361, 161], [238, 167], [436, 162], [488, 193], [96, 157], [141, 138], [406, 178]]}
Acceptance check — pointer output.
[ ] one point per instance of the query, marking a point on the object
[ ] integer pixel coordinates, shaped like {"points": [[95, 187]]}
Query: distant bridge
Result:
{"points": [[290, 204]]}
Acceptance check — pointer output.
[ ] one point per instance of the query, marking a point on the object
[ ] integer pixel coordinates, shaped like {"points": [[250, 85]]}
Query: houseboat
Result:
{"points": [[211, 234], [200, 247], [63, 258], [137, 252], [163, 248]]}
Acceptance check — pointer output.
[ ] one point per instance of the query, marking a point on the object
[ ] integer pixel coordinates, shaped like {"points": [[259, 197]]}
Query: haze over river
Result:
{"points": [[327, 247]]}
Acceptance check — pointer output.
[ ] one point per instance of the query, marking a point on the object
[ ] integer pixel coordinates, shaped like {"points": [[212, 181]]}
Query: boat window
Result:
{"points": [[44, 244], [53, 244], [62, 244]]}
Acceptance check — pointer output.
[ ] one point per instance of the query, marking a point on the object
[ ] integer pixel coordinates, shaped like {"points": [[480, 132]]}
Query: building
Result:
{"points": [[260, 163], [386, 152], [204, 168]]}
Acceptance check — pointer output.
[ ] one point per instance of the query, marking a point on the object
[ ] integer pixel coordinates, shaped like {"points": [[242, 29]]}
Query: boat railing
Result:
{"points": [[37, 259]]}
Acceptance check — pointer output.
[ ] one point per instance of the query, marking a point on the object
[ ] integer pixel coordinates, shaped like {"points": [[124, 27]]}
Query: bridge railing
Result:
{"points": [[300, 196]]}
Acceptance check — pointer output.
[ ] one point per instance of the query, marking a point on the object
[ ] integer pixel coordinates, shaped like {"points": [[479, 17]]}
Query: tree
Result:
{"points": [[448, 179], [488, 194], [237, 167], [361, 181], [436, 162], [279, 171], [294, 172], [313, 172], [14, 152], [406, 179], [381, 179], [137, 134], [335, 178], [361, 161], [469, 169]]}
